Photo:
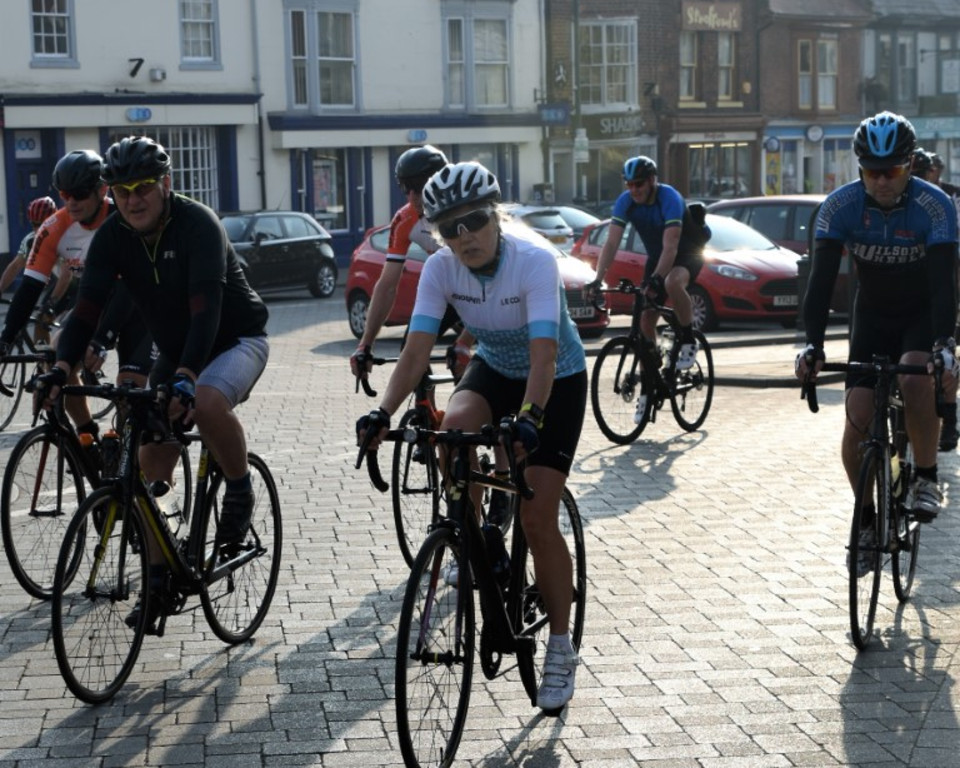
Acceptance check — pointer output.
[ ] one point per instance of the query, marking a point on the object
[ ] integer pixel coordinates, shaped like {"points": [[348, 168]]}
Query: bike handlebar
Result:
{"points": [[365, 383], [879, 366]]}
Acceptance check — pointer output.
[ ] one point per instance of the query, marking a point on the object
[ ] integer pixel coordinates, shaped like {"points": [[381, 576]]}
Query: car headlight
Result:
{"points": [[734, 273]]}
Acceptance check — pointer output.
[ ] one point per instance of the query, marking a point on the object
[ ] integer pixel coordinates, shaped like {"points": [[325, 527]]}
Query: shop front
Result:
{"points": [[811, 158], [941, 135]]}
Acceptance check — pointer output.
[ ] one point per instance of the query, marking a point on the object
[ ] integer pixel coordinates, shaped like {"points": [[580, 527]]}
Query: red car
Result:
{"points": [[745, 276], [367, 263]]}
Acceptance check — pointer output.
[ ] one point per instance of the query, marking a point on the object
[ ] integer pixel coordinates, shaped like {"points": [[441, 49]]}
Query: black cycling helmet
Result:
{"points": [[133, 159], [883, 140], [936, 161], [417, 165], [922, 162], [77, 171], [456, 185], [639, 168]]}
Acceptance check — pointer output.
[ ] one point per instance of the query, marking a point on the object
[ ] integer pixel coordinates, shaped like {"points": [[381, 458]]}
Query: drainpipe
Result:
{"points": [[255, 41]]}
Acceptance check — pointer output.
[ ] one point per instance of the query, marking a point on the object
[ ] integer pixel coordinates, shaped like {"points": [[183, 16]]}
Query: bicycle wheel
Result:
{"points": [[864, 557], [11, 379], [239, 581], [692, 390], [527, 609], [617, 382], [435, 652], [904, 561], [95, 649], [415, 488], [42, 488]]}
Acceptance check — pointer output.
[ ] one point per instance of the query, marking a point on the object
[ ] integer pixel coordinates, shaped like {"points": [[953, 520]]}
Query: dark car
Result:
{"points": [[787, 220], [368, 258], [280, 249]]}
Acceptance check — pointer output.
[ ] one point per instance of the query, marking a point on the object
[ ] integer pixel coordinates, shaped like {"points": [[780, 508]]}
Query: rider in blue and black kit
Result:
{"points": [[673, 241], [901, 232]]}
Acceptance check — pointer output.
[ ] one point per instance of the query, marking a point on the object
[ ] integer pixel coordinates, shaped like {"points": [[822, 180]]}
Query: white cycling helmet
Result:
{"points": [[456, 185]]}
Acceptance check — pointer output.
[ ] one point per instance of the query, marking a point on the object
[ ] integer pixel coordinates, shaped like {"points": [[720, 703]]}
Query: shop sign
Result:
{"points": [[626, 125], [711, 17], [581, 146], [139, 114], [554, 113]]}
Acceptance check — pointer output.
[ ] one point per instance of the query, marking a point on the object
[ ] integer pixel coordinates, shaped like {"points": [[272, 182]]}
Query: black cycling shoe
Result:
{"points": [[235, 516], [156, 603], [948, 436]]}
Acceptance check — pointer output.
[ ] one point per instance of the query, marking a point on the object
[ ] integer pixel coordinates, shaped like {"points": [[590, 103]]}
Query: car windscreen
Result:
{"points": [[234, 226], [577, 219], [731, 235], [545, 220]]}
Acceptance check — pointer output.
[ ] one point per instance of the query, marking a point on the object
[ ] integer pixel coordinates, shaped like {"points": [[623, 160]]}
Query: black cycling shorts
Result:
{"points": [[562, 417], [135, 350], [692, 264], [890, 336]]}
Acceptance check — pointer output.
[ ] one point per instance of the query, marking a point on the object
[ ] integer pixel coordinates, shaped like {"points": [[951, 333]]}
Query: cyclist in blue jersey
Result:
{"points": [[506, 287], [673, 241], [901, 232]]}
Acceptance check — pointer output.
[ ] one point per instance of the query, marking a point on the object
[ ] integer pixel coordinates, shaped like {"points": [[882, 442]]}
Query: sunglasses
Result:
{"points": [[638, 184], [470, 222], [412, 185], [139, 188], [894, 172], [76, 194]]}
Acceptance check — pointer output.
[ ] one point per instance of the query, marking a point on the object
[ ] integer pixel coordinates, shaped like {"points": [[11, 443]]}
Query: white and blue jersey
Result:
{"points": [[523, 300]]}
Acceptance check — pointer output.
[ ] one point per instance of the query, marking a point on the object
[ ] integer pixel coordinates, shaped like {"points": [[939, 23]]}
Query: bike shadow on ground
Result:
{"points": [[645, 466], [897, 702]]}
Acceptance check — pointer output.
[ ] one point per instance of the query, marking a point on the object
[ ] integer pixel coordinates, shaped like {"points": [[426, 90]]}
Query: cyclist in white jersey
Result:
{"points": [[506, 287]]}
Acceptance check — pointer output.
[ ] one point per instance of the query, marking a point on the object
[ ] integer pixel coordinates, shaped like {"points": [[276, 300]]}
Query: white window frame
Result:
{"points": [[805, 74], [727, 68], [600, 72], [688, 66], [209, 27], [305, 64], [63, 15], [828, 52], [466, 70], [905, 66]]}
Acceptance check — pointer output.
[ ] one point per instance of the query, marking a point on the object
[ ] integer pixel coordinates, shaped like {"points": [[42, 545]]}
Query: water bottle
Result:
{"points": [[169, 505], [497, 553], [110, 453]]}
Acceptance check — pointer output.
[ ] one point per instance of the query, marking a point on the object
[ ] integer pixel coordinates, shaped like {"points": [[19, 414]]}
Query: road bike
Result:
{"points": [[47, 476], [415, 473], [438, 638], [632, 377], [102, 595], [886, 469]]}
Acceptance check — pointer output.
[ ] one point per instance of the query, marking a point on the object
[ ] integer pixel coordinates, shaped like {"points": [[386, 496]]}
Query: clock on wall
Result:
{"points": [[814, 133]]}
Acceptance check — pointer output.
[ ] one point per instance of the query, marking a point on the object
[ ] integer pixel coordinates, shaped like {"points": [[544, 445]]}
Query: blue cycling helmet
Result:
{"points": [[883, 140], [639, 168]]}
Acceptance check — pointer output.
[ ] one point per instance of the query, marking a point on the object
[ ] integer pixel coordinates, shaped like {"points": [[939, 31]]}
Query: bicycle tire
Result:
{"points": [[872, 485], [691, 392], [12, 377], [236, 602], [907, 529], [431, 701], [525, 604], [617, 380], [43, 485], [415, 490], [95, 648]]}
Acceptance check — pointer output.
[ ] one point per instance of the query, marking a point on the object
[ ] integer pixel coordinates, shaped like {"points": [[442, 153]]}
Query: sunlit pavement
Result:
{"points": [[716, 625]]}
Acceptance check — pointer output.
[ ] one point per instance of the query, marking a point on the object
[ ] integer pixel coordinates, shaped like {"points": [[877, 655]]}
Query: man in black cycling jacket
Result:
{"points": [[209, 326]]}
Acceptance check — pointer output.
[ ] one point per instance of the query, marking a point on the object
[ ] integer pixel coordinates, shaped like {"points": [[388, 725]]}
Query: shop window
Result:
{"points": [[477, 52], [838, 164], [607, 64], [719, 170], [321, 54], [193, 157], [199, 35], [52, 23]]}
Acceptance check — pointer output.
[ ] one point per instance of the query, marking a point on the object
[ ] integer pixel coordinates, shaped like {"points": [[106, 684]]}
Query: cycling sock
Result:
{"points": [[686, 334], [928, 472], [155, 575], [561, 643], [241, 485], [91, 428], [867, 514]]}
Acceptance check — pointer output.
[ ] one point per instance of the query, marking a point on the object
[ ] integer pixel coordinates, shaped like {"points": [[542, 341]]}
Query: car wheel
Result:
{"points": [[704, 318], [357, 313], [324, 280]]}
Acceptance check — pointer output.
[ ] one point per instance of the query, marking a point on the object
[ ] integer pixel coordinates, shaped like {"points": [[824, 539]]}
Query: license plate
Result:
{"points": [[580, 313], [785, 301]]}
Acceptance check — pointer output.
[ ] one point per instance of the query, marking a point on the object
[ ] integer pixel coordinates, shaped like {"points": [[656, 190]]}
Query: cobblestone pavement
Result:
{"points": [[716, 625]]}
